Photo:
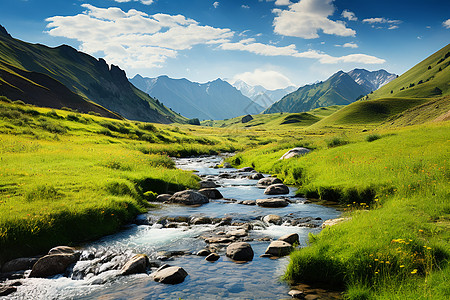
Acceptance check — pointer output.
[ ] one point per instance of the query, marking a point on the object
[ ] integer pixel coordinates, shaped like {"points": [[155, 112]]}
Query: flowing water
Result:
{"points": [[95, 276]]}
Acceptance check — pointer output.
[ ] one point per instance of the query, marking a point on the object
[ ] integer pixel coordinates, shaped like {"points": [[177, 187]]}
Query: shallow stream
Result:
{"points": [[95, 275]]}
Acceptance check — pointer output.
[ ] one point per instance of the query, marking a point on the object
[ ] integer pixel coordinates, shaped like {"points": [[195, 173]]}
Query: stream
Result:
{"points": [[166, 237]]}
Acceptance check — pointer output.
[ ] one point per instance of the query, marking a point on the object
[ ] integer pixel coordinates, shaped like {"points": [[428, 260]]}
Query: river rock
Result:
{"points": [[137, 264], [211, 193], [203, 252], [240, 251], [279, 248], [163, 198], [299, 151], [226, 221], [255, 176], [19, 264], [276, 189], [200, 220], [249, 202], [53, 264], [272, 202], [237, 233], [7, 290], [212, 257], [268, 181], [296, 294], [273, 219], [291, 238], [207, 184], [188, 197], [170, 275], [62, 250], [332, 222], [246, 169], [219, 240]]}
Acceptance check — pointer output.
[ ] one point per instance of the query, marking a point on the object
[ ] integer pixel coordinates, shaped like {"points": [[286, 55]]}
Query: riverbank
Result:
{"points": [[395, 186]]}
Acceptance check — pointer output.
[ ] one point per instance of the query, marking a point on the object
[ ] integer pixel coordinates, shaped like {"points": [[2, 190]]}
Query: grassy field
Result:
{"points": [[395, 187], [66, 178]]}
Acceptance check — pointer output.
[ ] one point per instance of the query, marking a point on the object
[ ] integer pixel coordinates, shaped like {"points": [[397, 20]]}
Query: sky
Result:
{"points": [[273, 43]]}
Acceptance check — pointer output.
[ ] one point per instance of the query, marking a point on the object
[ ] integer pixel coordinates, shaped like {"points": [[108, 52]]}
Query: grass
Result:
{"points": [[395, 188]]}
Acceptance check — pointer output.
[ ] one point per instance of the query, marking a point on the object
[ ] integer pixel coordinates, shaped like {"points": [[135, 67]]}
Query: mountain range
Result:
{"points": [[214, 100], [64, 77], [261, 95], [340, 89]]}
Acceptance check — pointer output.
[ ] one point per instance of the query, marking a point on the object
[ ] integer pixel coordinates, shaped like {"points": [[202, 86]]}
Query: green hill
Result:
{"points": [[429, 78], [82, 74], [339, 89]]}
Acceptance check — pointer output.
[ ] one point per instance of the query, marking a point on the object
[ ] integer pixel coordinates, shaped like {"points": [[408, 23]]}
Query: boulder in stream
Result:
{"points": [[53, 264], [272, 219], [19, 264], [189, 197], [249, 202], [137, 264], [211, 193], [268, 181], [279, 248], [163, 197], [200, 220], [203, 252], [240, 251], [277, 189], [207, 184], [255, 176], [212, 257], [7, 290], [291, 238], [237, 233], [272, 202], [245, 169], [170, 275]]}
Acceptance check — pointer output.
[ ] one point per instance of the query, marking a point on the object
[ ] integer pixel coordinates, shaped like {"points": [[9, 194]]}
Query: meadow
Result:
{"points": [[394, 187]]}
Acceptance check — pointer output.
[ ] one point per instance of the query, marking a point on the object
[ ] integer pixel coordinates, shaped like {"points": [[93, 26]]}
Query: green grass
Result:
{"points": [[395, 189]]}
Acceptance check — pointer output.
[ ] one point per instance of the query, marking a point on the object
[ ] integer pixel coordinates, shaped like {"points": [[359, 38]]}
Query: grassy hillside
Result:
{"points": [[395, 187], [277, 121], [68, 177], [84, 75], [429, 78]]}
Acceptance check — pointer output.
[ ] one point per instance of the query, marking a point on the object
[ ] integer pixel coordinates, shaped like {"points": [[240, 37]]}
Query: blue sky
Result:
{"points": [[274, 43]]}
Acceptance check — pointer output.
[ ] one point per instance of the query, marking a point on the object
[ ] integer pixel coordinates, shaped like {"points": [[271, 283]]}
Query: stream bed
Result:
{"points": [[165, 237]]}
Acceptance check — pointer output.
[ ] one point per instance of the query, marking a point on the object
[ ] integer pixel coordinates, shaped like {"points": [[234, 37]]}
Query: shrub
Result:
{"points": [[52, 127], [373, 137], [336, 141], [119, 189], [147, 126]]}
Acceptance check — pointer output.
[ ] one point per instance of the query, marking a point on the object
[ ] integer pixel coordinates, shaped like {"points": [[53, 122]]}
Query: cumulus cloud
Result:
{"points": [[282, 2], [134, 39], [269, 79], [250, 45], [381, 21], [216, 4], [393, 27], [348, 45], [305, 18], [349, 15], [245, 6], [446, 24], [146, 2]]}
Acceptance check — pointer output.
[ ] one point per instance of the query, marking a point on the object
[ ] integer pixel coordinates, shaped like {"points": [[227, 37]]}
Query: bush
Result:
{"points": [[336, 141], [52, 127], [148, 127], [373, 137]]}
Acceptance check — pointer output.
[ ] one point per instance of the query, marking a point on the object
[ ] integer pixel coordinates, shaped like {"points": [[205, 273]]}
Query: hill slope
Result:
{"points": [[339, 89], [84, 75], [213, 100], [429, 78]]}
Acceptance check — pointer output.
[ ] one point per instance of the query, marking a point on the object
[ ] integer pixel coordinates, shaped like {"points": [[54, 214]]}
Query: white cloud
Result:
{"points": [[251, 46], [146, 2], [393, 27], [305, 18], [381, 21], [269, 79], [446, 24], [349, 15], [282, 2], [134, 39], [245, 6], [348, 45], [216, 4]]}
